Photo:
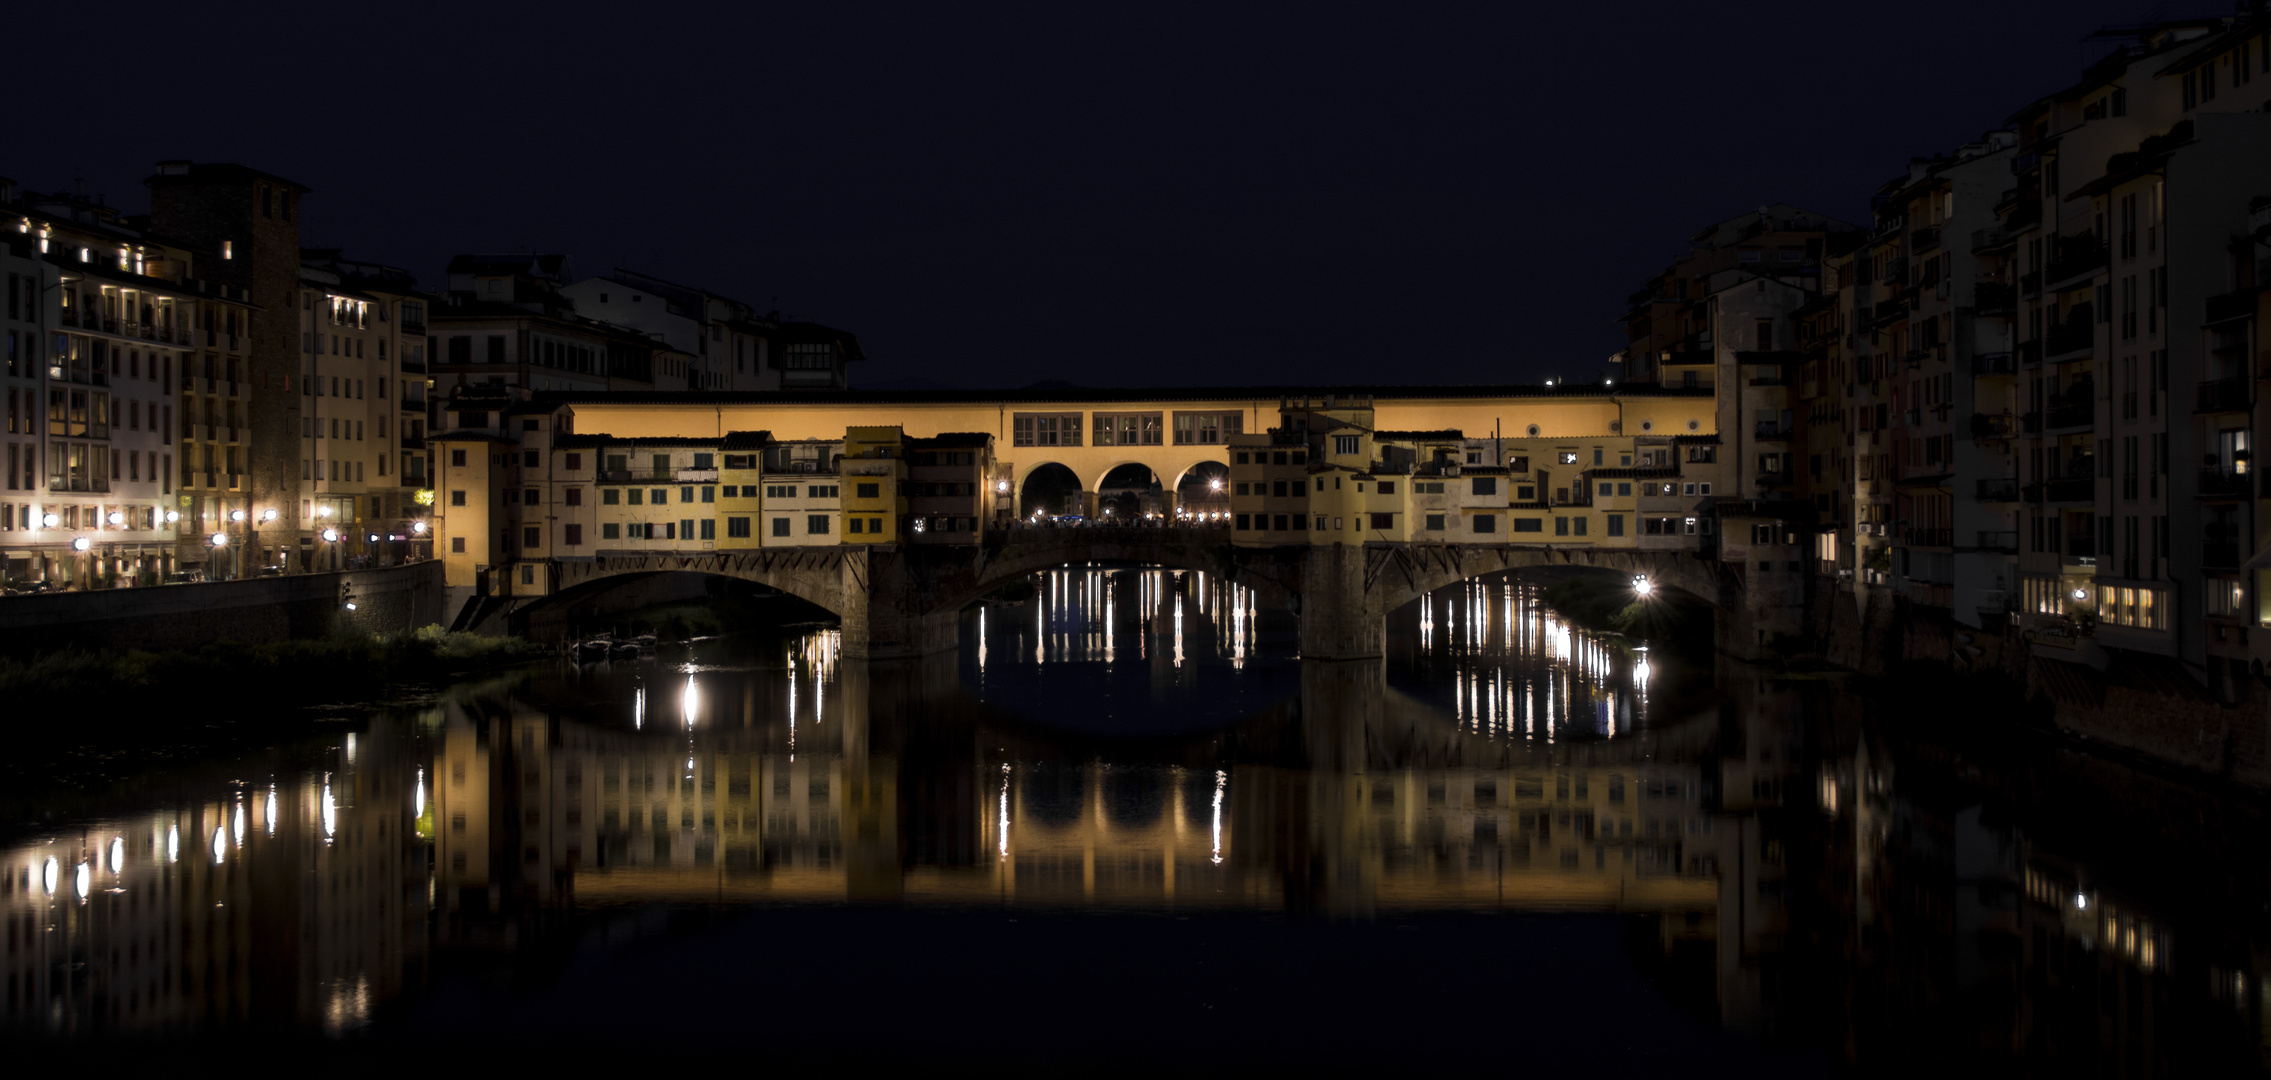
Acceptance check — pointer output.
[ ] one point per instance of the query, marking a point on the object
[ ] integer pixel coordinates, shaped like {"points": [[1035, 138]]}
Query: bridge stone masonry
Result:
{"points": [[905, 600]]}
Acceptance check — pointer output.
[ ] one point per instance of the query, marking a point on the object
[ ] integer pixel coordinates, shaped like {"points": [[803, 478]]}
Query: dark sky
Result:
{"points": [[1208, 194]]}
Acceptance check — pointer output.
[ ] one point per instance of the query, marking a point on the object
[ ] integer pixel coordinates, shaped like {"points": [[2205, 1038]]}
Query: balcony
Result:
{"points": [[2031, 422], [414, 367], [2218, 482], [1889, 310], [1993, 425], [2030, 353], [1774, 479], [695, 476], [2224, 395], [1930, 538], [2077, 334], [2074, 414], [96, 484], [1992, 298], [2219, 555], [2081, 550], [1896, 272], [1997, 490], [2073, 256], [1989, 238], [1996, 541], [2030, 284], [1923, 240], [2071, 489], [1994, 363], [1772, 430], [2231, 305], [413, 442], [1890, 227], [637, 476]]}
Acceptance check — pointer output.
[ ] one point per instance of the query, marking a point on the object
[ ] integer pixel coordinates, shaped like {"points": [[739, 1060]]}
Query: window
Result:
{"points": [[610, 531], [1484, 485], [1486, 523], [816, 524], [457, 458], [866, 491], [709, 528], [457, 498], [1561, 526], [574, 496], [1045, 429], [610, 496], [1245, 521], [686, 494], [635, 496], [1344, 444], [532, 536], [1434, 523], [1387, 487], [1616, 524], [780, 526], [1384, 521], [1204, 429], [572, 535], [1133, 429], [457, 545]]}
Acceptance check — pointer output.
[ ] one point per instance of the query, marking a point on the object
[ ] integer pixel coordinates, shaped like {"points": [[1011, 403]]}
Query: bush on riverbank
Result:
{"points": [[1606, 608], [319, 669]]}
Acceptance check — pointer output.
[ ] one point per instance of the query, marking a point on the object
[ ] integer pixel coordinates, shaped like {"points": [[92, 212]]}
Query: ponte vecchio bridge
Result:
{"points": [[1532, 455]]}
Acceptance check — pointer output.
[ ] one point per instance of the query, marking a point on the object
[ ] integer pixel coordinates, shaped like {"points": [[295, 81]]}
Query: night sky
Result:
{"points": [[1206, 194]]}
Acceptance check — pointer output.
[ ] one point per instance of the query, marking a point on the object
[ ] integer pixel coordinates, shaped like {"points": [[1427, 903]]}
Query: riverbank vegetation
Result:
{"points": [[1608, 608], [203, 680]]}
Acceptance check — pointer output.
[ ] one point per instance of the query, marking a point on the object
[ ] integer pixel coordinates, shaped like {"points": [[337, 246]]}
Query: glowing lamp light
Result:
{"points": [[1214, 484], [82, 880], [323, 511], [48, 521], [172, 516], [117, 854], [48, 875], [81, 543], [218, 539], [418, 527], [2081, 594], [268, 515], [374, 538], [236, 515], [116, 518], [1643, 586], [173, 843], [1002, 486], [350, 605], [330, 536]]}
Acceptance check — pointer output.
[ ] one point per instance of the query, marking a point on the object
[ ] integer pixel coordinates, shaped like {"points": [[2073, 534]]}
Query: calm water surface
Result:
{"points": [[1124, 816]]}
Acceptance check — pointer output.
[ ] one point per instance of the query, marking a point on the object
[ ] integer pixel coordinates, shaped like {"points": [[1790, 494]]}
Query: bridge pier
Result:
{"points": [[887, 612], [1341, 618]]}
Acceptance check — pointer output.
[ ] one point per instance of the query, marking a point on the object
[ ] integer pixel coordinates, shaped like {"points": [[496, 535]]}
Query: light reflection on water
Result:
{"points": [[1500, 760]]}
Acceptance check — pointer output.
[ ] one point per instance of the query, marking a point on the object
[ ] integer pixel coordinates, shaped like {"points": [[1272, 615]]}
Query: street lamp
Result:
{"points": [[418, 527], [330, 536], [219, 539], [236, 515], [1214, 484], [48, 521], [81, 543], [268, 515], [1641, 586]]}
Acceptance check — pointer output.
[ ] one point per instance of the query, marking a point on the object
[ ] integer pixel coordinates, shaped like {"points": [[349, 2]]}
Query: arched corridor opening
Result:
{"points": [[1203, 492], [1130, 492], [1050, 490]]}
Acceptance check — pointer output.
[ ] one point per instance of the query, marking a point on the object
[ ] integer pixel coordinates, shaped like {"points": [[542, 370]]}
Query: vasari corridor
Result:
{"points": [[1162, 540]]}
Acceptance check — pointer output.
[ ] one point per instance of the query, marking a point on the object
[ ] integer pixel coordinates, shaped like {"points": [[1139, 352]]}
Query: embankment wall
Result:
{"points": [[258, 611]]}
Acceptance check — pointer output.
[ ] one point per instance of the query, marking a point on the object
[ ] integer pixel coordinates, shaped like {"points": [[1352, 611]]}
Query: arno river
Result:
{"points": [[1124, 824]]}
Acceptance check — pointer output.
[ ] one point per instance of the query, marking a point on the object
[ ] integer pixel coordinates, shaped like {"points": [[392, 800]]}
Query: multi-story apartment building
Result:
{"points": [[2129, 214], [730, 345], [505, 323], [363, 393], [240, 469], [102, 317]]}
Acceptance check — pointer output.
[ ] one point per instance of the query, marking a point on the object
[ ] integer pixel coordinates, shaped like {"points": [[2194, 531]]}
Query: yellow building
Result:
{"points": [[874, 469]]}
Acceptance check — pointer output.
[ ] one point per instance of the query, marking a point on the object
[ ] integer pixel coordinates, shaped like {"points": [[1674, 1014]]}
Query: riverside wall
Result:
{"points": [[258, 611], [2151, 706]]}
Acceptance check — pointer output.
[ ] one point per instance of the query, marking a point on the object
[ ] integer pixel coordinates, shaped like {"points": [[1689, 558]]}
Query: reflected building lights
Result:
{"points": [[1221, 781]]}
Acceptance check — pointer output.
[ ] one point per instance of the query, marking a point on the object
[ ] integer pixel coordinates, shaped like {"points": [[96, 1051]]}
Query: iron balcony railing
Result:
{"points": [[1931, 538], [1997, 489], [2073, 256], [1994, 363], [2001, 541], [2077, 333], [2224, 395], [2218, 482], [2072, 415], [1993, 425], [1924, 239]]}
